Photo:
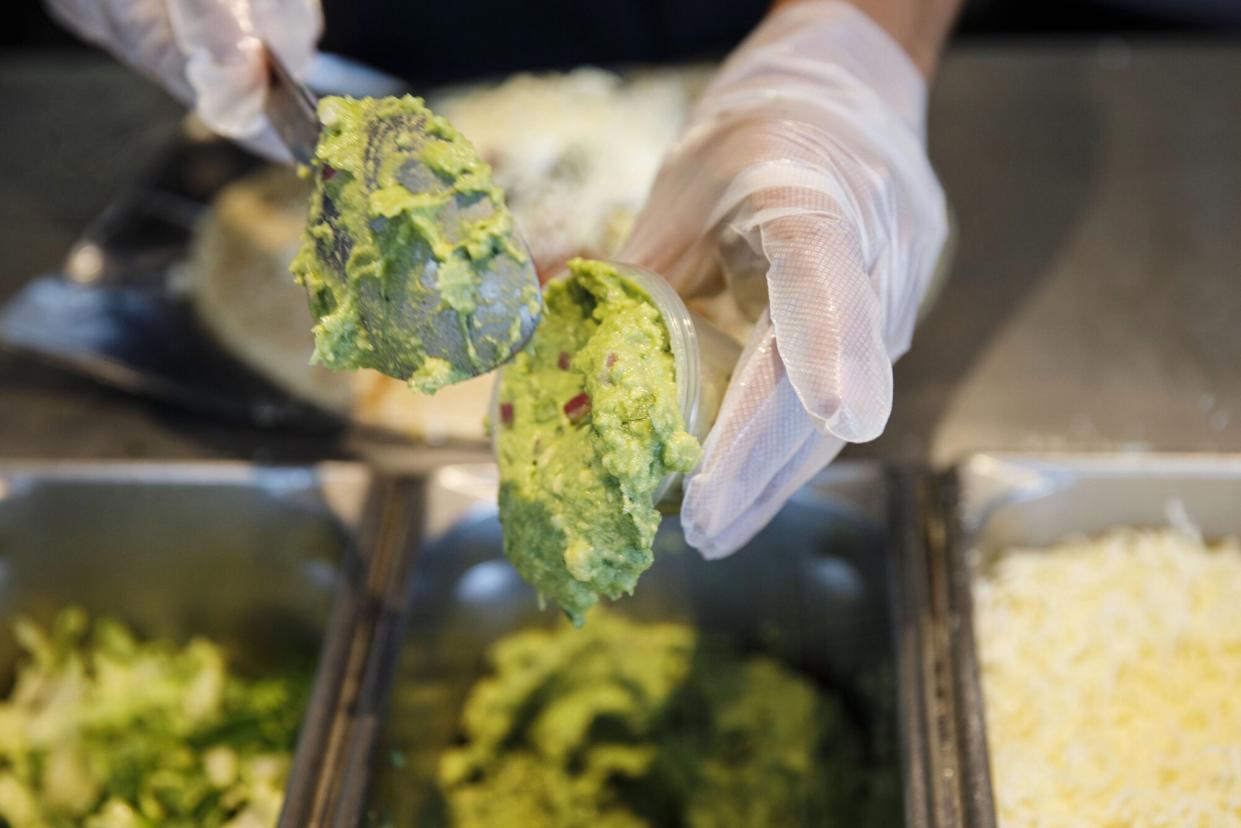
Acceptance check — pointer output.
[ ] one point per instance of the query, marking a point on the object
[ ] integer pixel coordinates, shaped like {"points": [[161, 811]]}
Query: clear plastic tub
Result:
{"points": [[703, 356]]}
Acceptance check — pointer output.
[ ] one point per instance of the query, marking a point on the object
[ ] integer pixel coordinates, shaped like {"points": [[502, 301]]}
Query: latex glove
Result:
{"points": [[205, 52], [801, 185]]}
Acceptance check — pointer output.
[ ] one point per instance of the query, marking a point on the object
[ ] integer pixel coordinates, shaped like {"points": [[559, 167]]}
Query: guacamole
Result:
{"points": [[630, 724], [588, 426], [406, 227]]}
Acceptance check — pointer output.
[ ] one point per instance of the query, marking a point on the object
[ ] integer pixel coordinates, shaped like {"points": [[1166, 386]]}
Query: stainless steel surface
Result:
{"points": [[261, 560], [996, 501], [1036, 500], [1093, 297], [816, 589], [375, 627], [290, 107], [243, 556]]}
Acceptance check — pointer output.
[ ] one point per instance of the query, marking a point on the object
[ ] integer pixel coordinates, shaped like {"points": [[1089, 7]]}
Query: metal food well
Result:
{"points": [[822, 589], [991, 502], [273, 563]]}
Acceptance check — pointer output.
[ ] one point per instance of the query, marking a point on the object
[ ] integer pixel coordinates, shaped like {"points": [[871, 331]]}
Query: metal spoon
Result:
{"points": [[473, 348]]}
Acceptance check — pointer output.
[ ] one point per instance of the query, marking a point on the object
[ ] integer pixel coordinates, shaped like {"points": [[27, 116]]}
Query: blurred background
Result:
{"points": [[510, 37]]}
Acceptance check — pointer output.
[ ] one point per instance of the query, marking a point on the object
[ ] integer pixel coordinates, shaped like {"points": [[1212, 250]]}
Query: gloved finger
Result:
{"points": [[137, 32], [828, 316], [760, 450], [704, 179], [223, 47], [720, 541], [670, 234], [207, 53], [738, 172]]}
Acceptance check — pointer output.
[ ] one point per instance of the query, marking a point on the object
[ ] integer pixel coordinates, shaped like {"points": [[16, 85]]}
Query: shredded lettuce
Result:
{"points": [[103, 730]]}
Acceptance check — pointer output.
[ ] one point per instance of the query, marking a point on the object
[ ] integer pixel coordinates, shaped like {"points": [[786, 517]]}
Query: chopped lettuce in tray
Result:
{"points": [[103, 730]]}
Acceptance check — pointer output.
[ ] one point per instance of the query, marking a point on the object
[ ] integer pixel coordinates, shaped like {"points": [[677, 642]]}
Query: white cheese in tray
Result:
{"points": [[1111, 671]]}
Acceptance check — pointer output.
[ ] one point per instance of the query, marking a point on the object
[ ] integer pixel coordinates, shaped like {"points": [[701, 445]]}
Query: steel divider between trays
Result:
{"points": [[389, 590], [947, 772], [375, 613], [957, 702], [909, 602], [328, 777]]}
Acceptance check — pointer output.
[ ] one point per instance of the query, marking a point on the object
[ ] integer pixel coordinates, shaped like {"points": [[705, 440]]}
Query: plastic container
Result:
{"points": [[703, 357]]}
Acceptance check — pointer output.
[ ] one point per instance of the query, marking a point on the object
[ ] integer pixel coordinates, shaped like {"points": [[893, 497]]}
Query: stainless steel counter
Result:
{"points": [[1097, 288], [1092, 303]]}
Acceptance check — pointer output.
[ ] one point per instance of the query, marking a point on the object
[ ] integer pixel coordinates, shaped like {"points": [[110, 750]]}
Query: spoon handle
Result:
{"points": [[290, 107]]}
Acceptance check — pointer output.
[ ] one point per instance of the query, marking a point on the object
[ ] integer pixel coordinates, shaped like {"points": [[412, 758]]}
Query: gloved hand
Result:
{"points": [[801, 185], [205, 52]]}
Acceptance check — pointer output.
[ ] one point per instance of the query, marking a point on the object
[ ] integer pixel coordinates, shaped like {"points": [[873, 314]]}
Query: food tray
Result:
{"points": [[991, 502], [822, 589], [274, 564]]}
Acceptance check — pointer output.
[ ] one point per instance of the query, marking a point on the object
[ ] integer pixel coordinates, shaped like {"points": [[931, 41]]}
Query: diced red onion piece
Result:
{"points": [[578, 407], [506, 413], [563, 361], [328, 172]]}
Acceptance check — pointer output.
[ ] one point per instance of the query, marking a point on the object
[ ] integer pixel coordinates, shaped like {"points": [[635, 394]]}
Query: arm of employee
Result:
{"points": [[801, 186]]}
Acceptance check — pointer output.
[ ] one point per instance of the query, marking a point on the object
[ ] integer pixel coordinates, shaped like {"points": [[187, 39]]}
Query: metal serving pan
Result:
{"points": [[822, 589], [994, 501], [275, 564]]}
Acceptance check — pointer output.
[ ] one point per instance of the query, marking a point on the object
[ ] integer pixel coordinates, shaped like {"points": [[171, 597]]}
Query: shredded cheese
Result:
{"points": [[574, 152], [1111, 673]]}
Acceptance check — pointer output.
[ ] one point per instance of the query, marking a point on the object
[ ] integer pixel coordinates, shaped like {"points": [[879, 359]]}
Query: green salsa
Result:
{"points": [[589, 425]]}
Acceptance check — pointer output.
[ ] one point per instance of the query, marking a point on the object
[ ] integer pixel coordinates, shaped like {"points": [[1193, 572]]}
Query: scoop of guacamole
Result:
{"points": [[404, 224], [630, 724], [589, 425]]}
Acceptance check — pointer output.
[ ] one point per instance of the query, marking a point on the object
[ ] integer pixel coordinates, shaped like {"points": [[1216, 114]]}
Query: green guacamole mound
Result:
{"points": [[395, 220], [630, 724], [589, 425]]}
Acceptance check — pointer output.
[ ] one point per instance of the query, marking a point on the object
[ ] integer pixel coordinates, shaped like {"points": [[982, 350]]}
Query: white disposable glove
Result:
{"points": [[207, 53], [801, 185]]}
